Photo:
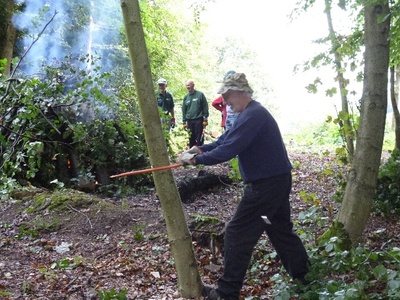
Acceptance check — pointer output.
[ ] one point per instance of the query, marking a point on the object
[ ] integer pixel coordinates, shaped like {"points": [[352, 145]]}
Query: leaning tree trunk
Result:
{"points": [[357, 202], [346, 126], [189, 282]]}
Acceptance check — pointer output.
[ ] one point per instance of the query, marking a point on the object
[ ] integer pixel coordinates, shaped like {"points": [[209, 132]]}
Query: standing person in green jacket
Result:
{"points": [[166, 102], [194, 114]]}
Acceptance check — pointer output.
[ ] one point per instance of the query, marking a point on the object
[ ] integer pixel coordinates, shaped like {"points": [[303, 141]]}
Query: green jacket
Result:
{"points": [[165, 102], [194, 106]]}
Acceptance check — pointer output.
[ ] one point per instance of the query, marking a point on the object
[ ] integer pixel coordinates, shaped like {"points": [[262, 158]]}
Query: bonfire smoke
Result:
{"points": [[56, 41], [45, 49], [64, 37]]}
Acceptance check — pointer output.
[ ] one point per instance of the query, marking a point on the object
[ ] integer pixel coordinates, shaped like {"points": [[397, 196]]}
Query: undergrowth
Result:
{"points": [[387, 197], [335, 273]]}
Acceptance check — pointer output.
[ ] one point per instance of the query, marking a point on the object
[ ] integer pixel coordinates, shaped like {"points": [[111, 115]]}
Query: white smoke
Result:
{"points": [[32, 21], [52, 45]]}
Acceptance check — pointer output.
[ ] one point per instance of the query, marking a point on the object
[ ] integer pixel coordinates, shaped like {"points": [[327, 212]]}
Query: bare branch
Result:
{"points": [[48, 121]]}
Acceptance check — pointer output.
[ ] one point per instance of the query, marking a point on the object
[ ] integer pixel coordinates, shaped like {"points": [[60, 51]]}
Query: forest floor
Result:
{"points": [[81, 251]]}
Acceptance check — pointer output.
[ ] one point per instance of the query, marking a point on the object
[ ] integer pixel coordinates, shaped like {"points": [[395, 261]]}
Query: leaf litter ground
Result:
{"points": [[90, 250]]}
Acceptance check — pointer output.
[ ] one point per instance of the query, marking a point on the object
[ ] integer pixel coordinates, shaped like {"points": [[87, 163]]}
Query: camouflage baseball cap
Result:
{"points": [[236, 82]]}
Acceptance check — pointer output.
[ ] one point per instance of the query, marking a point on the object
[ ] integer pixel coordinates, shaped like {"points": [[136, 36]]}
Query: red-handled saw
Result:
{"points": [[137, 172]]}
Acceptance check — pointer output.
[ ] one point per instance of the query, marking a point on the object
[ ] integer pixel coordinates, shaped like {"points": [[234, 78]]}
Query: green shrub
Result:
{"points": [[69, 125], [387, 197], [335, 273]]}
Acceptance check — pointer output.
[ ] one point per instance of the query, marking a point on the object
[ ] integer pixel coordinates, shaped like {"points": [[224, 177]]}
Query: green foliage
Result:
{"points": [[4, 294], [335, 273], [202, 220], [340, 120], [7, 185], [387, 196], [3, 63], [66, 117], [234, 174], [67, 263], [177, 140], [347, 126], [389, 141], [113, 144], [336, 231], [74, 108], [113, 294], [138, 232], [321, 134], [167, 36], [394, 34], [369, 272], [24, 232], [34, 151], [312, 217]]}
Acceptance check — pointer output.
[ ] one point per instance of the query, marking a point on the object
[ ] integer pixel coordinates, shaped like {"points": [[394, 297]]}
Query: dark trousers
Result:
{"points": [[195, 127], [269, 197]]}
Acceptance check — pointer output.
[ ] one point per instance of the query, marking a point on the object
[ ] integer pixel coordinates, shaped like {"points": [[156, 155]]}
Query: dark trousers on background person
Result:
{"points": [[268, 197], [195, 127]]}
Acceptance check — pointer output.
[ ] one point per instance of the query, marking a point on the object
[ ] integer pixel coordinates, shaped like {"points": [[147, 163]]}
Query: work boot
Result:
{"points": [[211, 293]]}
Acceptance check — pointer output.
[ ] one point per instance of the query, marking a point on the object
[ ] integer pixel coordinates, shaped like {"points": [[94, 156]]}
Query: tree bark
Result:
{"points": [[360, 189], [189, 282], [8, 33]]}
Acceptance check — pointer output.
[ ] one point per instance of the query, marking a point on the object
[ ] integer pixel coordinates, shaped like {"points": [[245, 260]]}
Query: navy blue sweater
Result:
{"points": [[256, 139]]}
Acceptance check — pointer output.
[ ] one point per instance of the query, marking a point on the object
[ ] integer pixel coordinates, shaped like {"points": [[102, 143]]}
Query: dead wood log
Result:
{"points": [[204, 181]]}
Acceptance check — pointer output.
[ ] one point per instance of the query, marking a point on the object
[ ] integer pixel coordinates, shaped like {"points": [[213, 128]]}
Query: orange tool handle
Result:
{"points": [[146, 170]]}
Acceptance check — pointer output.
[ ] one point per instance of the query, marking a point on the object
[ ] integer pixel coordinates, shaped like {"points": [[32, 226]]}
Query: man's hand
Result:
{"points": [[194, 150], [173, 122], [185, 125], [187, 158], [205, 123]]}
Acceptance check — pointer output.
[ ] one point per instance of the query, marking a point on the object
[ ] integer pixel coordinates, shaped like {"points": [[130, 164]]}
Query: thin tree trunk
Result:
{"points": [[345, 125], [8, 34], [396, 113], [189, 282], [360, 189]]}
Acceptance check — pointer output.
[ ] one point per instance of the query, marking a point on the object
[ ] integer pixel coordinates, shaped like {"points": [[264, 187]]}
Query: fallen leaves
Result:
{"points": [[88, 255]]}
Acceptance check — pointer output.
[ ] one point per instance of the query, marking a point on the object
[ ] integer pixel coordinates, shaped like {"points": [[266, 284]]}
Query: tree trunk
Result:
{"points": [[394, 97], [189, 281], [346, 126], [8, 33], [357, 202]]}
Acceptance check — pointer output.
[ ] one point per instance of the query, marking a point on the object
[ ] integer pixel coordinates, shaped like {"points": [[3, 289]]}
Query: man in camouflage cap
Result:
{"points": [[266, 170]]}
